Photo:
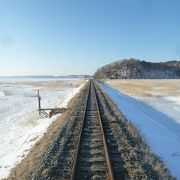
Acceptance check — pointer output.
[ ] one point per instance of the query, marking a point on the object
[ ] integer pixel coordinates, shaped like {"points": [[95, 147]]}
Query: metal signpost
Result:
{"points": [[43, 111], [52, 110]]}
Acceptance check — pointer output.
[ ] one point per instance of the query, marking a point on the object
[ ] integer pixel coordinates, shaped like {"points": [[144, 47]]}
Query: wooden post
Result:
{"points": [[39, 103]]}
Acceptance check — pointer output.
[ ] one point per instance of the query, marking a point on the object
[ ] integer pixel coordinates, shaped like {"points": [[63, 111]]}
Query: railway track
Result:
{"points": [[97, 143], [92, 158]]}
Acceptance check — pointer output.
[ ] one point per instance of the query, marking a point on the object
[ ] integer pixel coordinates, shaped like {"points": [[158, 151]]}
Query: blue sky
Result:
{"points": [[61, 37]]}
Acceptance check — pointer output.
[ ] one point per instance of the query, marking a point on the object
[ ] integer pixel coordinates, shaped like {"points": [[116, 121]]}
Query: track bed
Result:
{"points": [[98, 142]]}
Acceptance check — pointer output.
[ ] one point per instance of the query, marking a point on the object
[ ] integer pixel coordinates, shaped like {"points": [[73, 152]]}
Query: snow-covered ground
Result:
{"points": [[20, 124], [158, 120]]}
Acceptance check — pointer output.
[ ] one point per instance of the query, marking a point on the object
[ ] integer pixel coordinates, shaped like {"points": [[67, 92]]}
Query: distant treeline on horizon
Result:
{"points": [[48, 76]]}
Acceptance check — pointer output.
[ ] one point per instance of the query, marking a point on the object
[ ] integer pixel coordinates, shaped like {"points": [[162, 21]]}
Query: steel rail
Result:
{"points": [[104, 139], [80, 136]]}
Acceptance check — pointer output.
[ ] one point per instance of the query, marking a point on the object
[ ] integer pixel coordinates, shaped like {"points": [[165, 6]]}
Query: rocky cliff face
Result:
{"points": [[136, 69]]}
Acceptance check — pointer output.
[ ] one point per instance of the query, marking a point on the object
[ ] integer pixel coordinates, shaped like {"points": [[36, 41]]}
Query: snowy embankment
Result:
{"points": [[158, 121], [20, 125]]}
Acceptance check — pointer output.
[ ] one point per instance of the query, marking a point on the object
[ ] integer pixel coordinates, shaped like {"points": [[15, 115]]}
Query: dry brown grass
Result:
{"points": [[7, 92], [147, 88], [29, 164], [47, 85]]}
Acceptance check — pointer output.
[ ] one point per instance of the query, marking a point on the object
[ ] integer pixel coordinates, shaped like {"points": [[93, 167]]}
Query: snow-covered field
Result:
{"points": [[157, 119], [20, 124]]}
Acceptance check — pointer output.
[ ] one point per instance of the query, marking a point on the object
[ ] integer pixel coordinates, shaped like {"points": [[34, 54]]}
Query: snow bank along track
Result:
{"points": [[97, 142]]}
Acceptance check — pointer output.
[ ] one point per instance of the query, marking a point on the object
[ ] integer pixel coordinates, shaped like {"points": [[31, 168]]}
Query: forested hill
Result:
{"points": [[136, 69]]}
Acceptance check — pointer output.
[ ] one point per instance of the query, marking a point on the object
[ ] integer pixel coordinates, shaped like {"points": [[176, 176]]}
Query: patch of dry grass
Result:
{"points": [[60, 84], [7, 92], [147, 88]]}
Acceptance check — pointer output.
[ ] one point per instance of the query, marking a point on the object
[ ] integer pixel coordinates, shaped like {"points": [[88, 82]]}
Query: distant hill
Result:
{"points": [[136, 69]]}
